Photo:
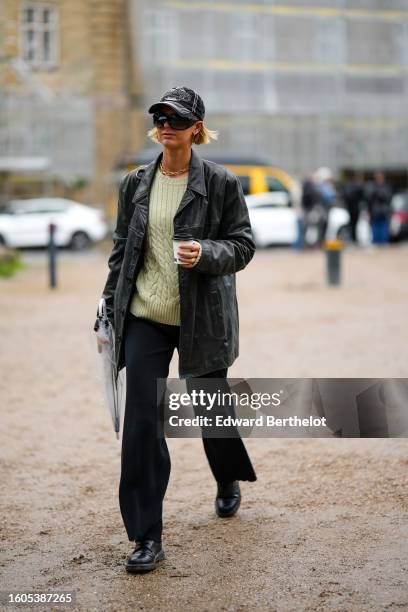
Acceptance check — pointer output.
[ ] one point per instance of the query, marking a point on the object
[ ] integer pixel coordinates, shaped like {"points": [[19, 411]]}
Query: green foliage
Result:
{"points": [[10, 262]]}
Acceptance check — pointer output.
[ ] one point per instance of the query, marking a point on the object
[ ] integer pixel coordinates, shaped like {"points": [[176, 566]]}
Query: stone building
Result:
{"points": [[68, 97], [300, 83]]}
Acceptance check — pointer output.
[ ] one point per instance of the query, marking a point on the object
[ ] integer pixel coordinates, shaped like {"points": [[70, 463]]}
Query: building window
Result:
{"points": [[39, 35]]}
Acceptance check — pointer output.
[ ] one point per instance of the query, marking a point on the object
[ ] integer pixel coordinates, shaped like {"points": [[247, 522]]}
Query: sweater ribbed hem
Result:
{"points": [[162, 313]]}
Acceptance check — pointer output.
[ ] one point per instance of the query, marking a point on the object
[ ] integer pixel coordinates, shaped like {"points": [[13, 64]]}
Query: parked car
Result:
{"points": [[399, 216], [275, 222], [25, 223]]}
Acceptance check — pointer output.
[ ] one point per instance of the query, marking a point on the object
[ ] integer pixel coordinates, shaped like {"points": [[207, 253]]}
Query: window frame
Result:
{"points": [[39, 28]]}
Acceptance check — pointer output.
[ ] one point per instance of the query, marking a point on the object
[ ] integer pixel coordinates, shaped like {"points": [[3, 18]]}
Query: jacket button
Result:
{"points": [[123, 310]]}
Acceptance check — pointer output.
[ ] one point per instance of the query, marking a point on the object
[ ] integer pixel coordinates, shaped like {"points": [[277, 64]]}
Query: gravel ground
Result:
{"points": [[323, 528]]}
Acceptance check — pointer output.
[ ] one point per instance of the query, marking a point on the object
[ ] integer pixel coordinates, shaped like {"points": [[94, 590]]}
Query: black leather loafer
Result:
{"points": [[228, 498], [145, 556]]}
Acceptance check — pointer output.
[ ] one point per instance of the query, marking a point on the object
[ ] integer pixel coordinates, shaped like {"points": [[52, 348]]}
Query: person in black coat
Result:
{"points": [[182, 233], [353, 196], [378, 197]]}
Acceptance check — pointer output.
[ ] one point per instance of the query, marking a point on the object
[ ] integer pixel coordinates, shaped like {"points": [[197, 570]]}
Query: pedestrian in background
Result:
{"points": [[378, 197], [353, 197], [318, 195], [157, 305], [310, 203], [324, 180]]}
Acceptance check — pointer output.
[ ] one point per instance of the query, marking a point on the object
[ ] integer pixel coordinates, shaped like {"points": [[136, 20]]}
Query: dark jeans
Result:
{"points": [[146, 463], [354, 216], [380, 230]]}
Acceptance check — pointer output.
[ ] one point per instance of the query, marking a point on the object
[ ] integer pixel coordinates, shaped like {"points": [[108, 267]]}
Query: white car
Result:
{"points": [[275, 221], [25, 223]]}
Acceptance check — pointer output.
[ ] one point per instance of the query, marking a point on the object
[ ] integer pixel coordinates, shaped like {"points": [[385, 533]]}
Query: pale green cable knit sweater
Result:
{"points": [[157, 290]]}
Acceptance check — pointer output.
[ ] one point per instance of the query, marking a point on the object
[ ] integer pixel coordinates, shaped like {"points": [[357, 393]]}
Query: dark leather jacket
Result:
{"points": [[214, 211]]}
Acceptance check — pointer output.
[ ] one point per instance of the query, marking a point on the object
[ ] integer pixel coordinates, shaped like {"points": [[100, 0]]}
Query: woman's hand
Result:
{"points": [[189, 253]]}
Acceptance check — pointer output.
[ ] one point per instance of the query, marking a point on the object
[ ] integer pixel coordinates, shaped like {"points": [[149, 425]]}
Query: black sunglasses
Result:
{"points": [[176, 122]]}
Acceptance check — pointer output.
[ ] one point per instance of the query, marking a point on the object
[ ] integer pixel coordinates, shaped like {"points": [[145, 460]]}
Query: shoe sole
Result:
{"points": [[230, 513], [148, 567]]}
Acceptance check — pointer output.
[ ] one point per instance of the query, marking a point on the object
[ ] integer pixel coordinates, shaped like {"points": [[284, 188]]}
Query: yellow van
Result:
{"points": [[261, 179]]}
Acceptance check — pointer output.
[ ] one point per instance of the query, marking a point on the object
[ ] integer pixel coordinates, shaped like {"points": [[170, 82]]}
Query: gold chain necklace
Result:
{"points": [[169, 173]]}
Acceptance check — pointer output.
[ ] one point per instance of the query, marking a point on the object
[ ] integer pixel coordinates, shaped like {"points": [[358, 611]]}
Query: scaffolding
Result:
{"points": [[303, 84]]}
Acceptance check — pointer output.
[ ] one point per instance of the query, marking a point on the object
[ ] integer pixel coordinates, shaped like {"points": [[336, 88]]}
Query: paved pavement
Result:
{"points": [[323, 528]]}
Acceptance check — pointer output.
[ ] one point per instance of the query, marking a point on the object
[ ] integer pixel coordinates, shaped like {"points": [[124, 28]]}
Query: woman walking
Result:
{"points": [[157, 305]]}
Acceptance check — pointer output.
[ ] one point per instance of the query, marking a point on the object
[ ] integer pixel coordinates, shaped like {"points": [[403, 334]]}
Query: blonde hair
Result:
{"points": [[204, 136]]}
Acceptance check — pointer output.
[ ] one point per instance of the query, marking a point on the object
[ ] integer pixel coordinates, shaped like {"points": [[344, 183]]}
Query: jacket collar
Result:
{"points": [[195, 183]]}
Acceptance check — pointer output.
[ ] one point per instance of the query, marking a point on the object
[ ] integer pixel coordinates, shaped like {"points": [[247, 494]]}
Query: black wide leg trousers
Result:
{"points": [[145, 464]]}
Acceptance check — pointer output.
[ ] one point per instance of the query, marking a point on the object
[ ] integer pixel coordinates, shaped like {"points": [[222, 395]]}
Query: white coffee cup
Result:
{"points": [[176, 244]]}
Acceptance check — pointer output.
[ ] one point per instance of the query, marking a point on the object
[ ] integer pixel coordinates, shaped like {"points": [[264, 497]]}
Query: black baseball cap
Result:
{"points": [[186, 102]]}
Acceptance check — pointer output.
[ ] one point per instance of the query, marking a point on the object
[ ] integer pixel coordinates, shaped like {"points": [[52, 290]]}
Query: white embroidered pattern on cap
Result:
{"points": [[176, 94], [195, 101]]}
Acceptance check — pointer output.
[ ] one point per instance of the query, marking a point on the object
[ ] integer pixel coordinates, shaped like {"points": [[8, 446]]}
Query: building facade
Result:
{"points": [[301, 83], [68, 96]]}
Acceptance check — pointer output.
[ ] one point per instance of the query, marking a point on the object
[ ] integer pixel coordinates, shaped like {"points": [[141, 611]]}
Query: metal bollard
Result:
{"points": [[52, 255], [333, 250]]}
